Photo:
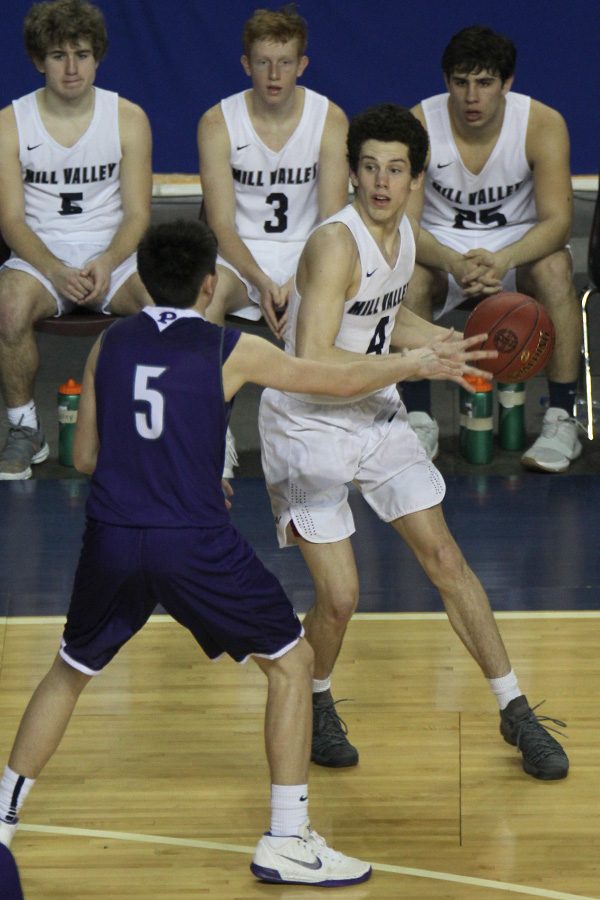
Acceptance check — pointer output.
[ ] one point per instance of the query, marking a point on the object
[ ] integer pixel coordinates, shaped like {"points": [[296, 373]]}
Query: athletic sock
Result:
{"points": [[505, 688], [321, 684], [562, 394], [416, 396], [289, 809], [23, 415], [13, 792]]}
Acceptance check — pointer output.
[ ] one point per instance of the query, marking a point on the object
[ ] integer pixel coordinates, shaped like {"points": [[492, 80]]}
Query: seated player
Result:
{"points": [[75, 193], [497, 196]]}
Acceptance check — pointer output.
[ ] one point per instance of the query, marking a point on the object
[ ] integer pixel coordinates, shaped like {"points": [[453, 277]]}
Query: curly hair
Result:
{"points": [[55, 23], [388, 122], [478, 48]]}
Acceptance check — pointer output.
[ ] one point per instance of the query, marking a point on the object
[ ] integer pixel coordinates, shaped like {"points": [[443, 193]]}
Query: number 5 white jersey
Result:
{"points": [[72, 194], [462, 204], [275, 191]]}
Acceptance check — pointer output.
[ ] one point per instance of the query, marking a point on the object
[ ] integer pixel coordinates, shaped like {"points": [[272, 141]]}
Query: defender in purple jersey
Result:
{"points": [[151, 431]]}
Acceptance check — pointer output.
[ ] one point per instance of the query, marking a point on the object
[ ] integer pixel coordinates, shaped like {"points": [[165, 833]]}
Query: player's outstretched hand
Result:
{"points": [[446, 359]]}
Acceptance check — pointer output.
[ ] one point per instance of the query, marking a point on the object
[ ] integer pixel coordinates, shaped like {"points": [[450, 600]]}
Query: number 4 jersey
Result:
{"points": [[461, 208], [275, 191], [71, 193]]}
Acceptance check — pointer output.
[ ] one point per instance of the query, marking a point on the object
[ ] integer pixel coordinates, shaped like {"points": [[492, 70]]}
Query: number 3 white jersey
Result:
{"points": [[275, 191], [72, 194], [500, 196], [368, 318]]}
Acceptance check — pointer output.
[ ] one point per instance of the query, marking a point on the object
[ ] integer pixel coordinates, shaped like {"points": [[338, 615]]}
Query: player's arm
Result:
{"points": [[214, 150], [256, 360], [547, 149], [136, 196], [13, 225], [87, 443], [334, 173]]}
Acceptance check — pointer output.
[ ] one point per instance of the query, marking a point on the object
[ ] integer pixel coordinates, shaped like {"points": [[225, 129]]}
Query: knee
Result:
{"points": [[16, 314], [446, 564], [339, 604], [296, 664], [426, 287], [549, 280]]}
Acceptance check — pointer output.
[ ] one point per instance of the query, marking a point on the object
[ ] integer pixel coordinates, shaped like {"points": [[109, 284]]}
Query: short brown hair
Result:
{"points": [[55, 23], [277, 25]]}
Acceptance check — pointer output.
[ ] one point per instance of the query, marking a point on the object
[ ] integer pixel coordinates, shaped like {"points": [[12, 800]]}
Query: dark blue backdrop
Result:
{"points": [[177, 58]]}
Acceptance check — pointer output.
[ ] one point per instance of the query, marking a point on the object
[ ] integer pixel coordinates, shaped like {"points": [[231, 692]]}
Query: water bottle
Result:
{"points": [[511, 425], [476, 436], [68, 404]]}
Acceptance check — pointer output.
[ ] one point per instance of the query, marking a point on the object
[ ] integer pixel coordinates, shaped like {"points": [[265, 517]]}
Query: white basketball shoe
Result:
{"points": [[305, 859]]}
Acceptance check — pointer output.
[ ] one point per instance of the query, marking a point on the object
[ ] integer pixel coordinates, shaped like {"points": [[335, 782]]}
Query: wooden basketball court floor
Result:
{"points": [[160, 788]]}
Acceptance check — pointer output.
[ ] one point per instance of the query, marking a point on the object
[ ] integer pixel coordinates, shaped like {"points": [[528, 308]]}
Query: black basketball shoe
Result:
{"points": [[543, 757], [330, 746]]}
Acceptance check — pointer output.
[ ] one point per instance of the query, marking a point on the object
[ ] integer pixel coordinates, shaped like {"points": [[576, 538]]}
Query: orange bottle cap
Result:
{"points": [[70, 387], [478, 383]]}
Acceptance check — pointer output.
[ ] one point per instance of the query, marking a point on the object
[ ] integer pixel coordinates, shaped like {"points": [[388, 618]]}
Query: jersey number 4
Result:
{"points": [[279, 202]]}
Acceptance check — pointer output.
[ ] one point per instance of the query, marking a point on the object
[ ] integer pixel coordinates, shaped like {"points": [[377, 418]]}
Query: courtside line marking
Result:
{"points": [[235, 848], [505, 615]]}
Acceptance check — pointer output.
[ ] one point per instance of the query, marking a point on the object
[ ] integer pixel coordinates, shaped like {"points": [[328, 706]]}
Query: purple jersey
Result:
{"points": [[162, 420]]}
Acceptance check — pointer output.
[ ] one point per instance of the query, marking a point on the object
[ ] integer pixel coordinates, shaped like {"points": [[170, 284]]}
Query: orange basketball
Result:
{"points": [[519, 328]]}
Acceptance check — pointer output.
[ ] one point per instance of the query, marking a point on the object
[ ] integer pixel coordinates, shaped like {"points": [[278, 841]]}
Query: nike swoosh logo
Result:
{"points": [[242, 146], [303, 798], [317, 864], [445, 165], [371, 273], [34, 147]]}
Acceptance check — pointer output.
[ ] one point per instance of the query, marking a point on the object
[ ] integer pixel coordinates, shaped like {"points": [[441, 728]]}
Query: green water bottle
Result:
{"points": [[511, 425], [476, 436], [68, 404]]}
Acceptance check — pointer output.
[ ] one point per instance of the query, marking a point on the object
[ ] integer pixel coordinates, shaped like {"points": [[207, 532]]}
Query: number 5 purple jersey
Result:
{"points": [[162, 419]]}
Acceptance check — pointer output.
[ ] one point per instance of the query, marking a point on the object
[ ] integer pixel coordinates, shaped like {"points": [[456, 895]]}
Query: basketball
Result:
{"points": [[519, 328]]}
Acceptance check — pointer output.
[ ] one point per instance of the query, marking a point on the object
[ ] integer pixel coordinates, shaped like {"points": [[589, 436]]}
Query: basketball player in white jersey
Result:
{"points": [[75, 194], [348, 301], [272, 164], [497, 196]]}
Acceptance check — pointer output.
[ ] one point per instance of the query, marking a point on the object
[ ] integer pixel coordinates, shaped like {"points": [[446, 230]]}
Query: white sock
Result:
{"points": [[289, 809], [23, 415], [505, 688], [13, 792], [321, 684]]}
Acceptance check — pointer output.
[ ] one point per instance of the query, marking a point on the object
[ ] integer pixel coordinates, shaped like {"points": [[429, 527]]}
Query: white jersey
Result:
{"points": [[368, 318], [72, 194], [275, 191], [500, 196]]}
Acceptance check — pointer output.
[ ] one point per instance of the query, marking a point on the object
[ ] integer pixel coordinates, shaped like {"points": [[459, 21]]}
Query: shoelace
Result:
{"points": [[331, 725], [546, 744], [322, 849]]}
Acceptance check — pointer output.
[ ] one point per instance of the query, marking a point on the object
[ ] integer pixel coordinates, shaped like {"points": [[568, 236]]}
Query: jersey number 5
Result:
{"points": [[149, 424], [279, 202]]}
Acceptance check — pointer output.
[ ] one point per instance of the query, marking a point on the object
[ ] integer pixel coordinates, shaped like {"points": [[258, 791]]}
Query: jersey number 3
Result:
{"points": [[279, 202]]}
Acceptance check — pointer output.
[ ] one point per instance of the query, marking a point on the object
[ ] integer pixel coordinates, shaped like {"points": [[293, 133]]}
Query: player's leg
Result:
{"points": [[333, 570], [291, 851], [471, 617], [42, 727], [231, 294], [427, 288], [550, 281], [23, 301], [127, 297]]}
